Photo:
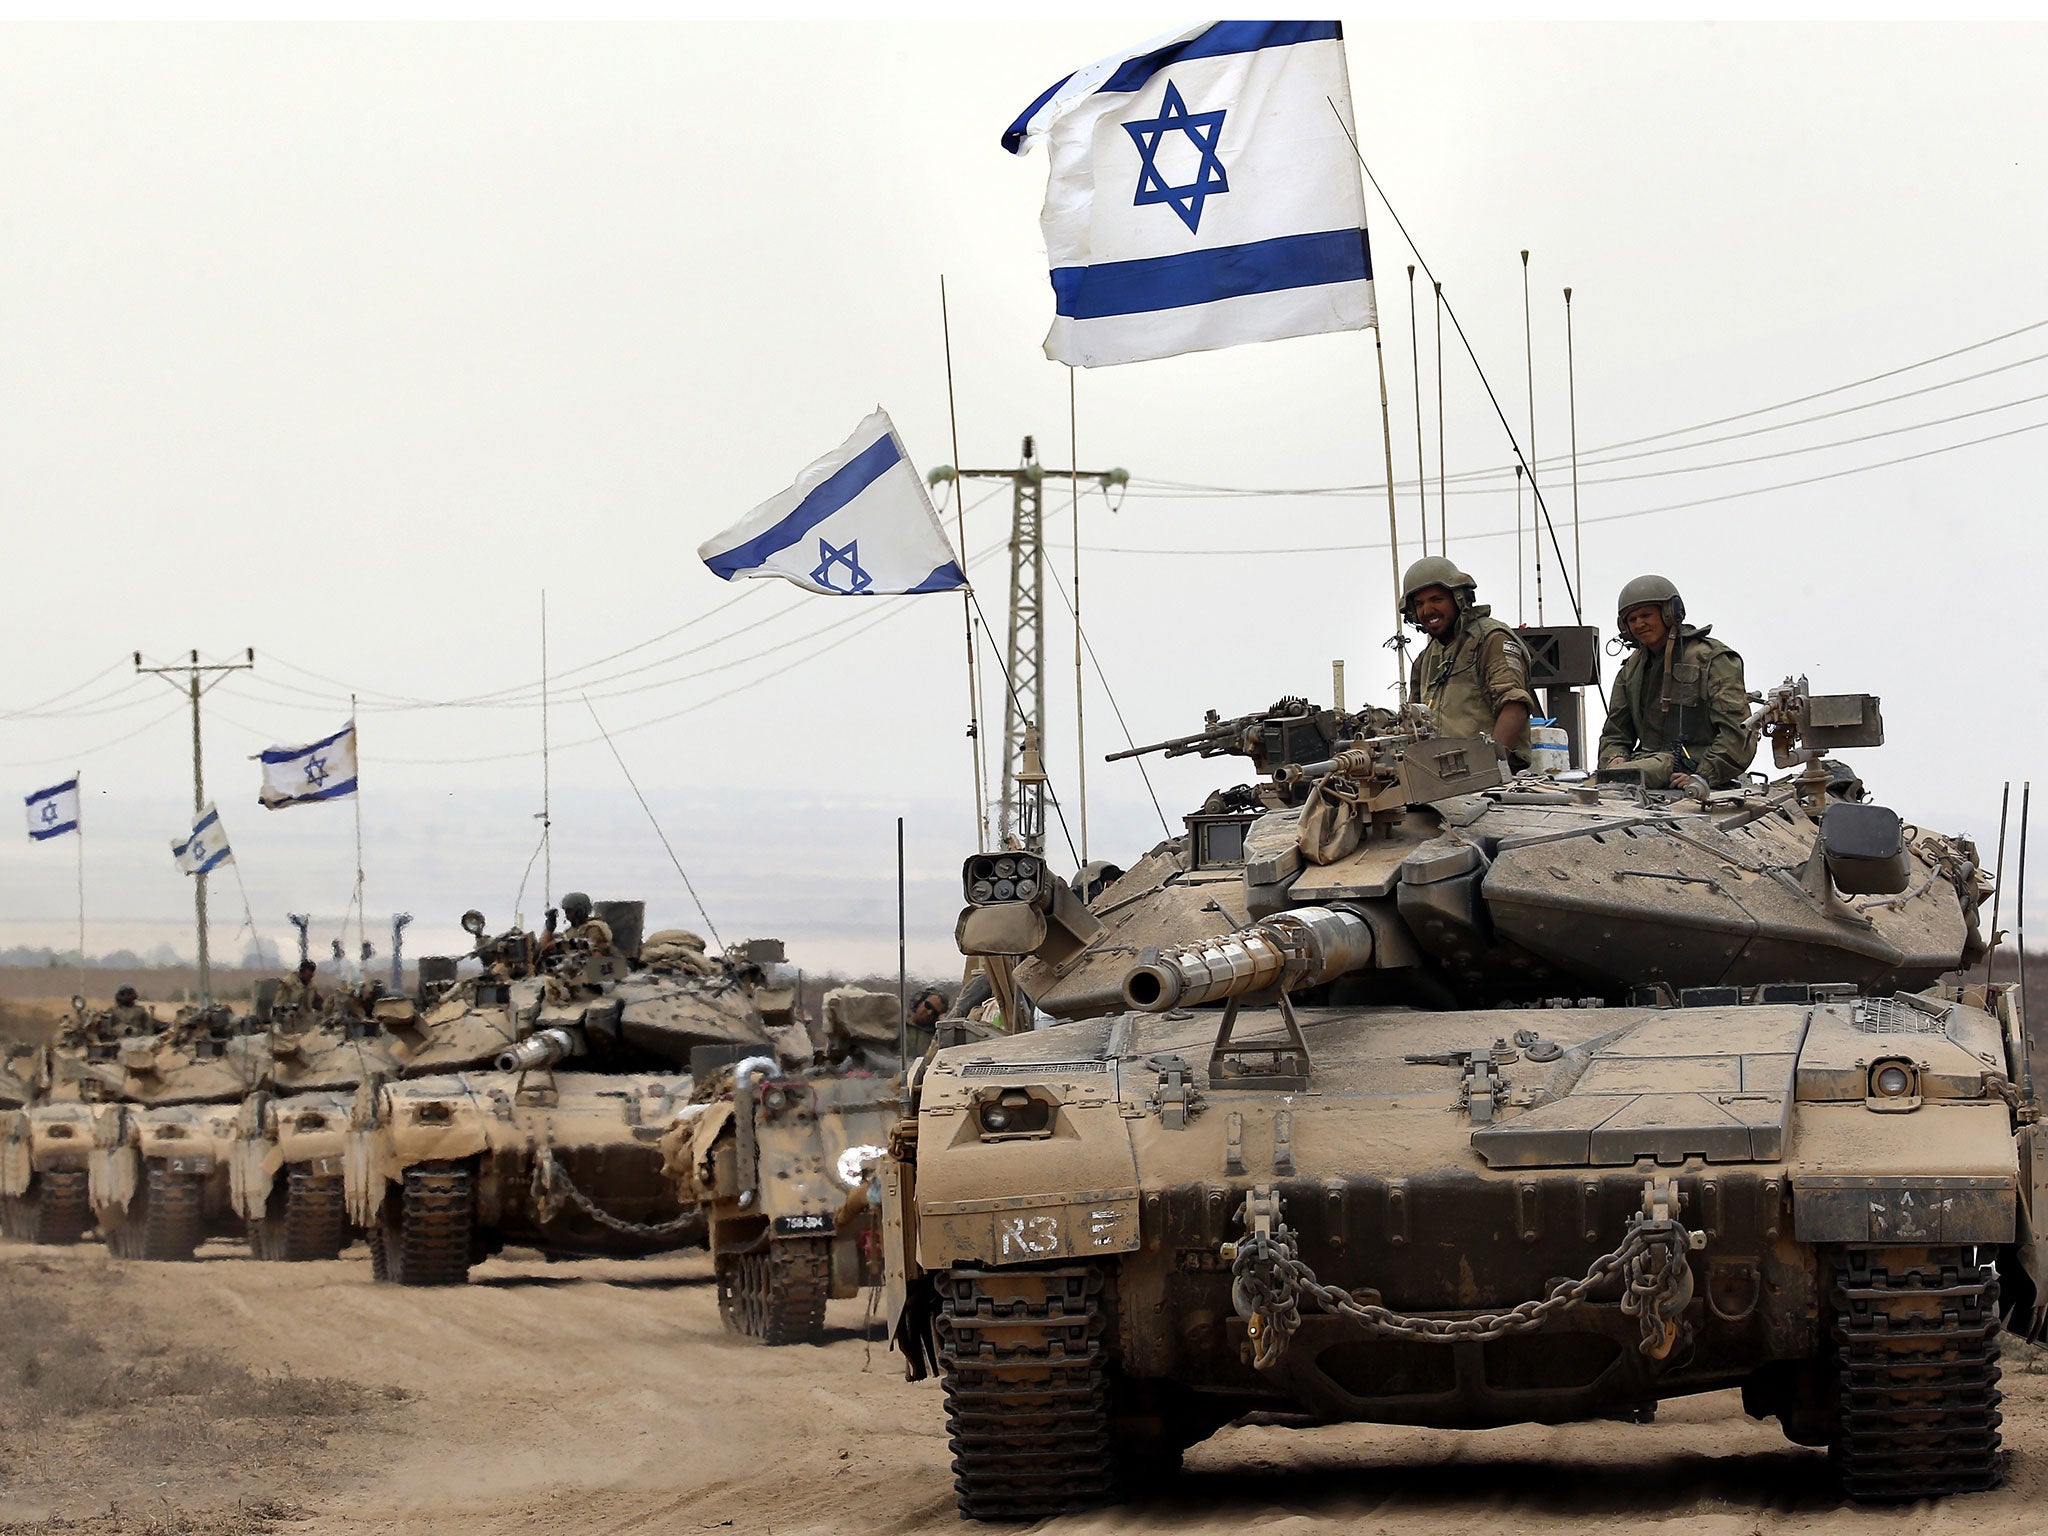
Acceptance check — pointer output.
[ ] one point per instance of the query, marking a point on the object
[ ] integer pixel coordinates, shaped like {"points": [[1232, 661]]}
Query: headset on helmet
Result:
{"points": [[1435, 571], [1649, 589]]}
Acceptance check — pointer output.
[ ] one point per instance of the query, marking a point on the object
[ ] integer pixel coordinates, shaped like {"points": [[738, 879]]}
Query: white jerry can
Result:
{"points": [[1550, 748]]}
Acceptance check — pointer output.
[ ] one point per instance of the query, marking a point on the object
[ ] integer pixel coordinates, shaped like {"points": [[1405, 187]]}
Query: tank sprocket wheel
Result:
{"points": [[166, 1220], [435, 1226], [1023, 1357], [1915, 1335], [778, 1294], [56, 1210], [305, 1220]]}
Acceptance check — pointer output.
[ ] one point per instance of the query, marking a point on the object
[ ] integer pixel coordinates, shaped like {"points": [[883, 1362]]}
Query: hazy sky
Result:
{"points": [[346, 343]]}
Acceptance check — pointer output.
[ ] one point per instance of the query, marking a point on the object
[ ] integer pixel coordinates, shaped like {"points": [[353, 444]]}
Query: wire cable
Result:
{"points": [[1118, 709], [652, 822]]}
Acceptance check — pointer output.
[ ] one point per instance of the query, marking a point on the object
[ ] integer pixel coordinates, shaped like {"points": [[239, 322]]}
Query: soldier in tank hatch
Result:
{"points": [[128, 1019], [1680, 708], [1474, 673]]}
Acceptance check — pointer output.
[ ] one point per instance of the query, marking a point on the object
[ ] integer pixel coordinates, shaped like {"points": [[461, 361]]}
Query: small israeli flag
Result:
{"points": [[207, 848], [1203, 193], [325, 770], [857, 523], [54, 811]]}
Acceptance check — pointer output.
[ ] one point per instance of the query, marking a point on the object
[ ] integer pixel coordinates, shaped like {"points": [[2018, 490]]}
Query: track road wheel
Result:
{"points": [[436, 1219], [165, 1222], [1915, 1335], [57, 1210], [1023, 1358]]}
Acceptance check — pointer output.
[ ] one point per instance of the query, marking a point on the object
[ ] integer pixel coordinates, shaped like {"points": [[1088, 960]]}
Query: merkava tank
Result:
{"points": [[782, 1158], [1399, 1091], [291, 1133], [164, 1133], [531, 1100], [46, 1099]]}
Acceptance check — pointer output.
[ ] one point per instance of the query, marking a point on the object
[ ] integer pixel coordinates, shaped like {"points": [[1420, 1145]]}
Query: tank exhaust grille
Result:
{"points": [[1888, 1016], [1031, 1068]]}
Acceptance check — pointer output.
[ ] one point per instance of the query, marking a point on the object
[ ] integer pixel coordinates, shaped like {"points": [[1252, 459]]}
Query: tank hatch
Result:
{"points": [[1656, 1092]]}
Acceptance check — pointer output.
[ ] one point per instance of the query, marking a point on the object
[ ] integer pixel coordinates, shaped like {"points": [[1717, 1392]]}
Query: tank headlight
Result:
{"points": [[434, 1112], [1015, 1112], [995, 1118], [1891, 1081], [981, 890]]}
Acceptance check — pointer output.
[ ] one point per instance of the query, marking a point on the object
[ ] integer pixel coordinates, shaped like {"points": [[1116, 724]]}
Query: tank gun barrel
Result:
{"points": [[543, 1048], [1216, 741], [1289, 950]]}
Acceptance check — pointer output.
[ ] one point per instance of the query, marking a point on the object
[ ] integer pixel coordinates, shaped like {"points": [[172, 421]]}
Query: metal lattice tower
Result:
{"points": [[1024, 700], [1024, 659]]}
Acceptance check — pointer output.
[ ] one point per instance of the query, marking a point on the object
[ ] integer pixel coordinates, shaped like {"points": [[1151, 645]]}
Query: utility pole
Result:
{"points": [[1024, 699], [193, 671]]}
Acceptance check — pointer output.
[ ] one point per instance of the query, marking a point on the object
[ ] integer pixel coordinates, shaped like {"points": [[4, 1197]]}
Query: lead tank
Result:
{"points": [[1438, 1097]]}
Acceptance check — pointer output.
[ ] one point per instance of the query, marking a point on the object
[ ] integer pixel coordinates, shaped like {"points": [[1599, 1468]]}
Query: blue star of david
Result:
{"points": [[316, 771], [49, 813], [857, 580], [1203, 129]]}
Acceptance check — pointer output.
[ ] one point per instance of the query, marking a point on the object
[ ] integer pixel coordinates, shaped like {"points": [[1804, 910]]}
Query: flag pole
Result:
{"points": [[1415, 373], [356, 740], [966, 592], [1400, 645], [1080, 708], [78, 781]]}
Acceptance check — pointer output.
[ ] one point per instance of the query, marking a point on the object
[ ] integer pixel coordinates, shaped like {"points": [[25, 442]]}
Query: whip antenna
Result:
{"points": [[607, 735]]}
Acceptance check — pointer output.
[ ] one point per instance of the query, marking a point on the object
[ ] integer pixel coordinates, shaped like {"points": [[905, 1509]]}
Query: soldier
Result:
{"points": [[590, 934], [128, 1019], [1474, 674], [296, 992], [1679, 711], [926, 1009]]}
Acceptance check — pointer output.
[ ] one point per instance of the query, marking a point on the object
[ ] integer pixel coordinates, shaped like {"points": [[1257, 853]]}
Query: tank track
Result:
{"points": [[777, 1295], [1916, 1349], [166, 1222], [306, 1221], [432, 1243], [57, 1210], [1023, 1355]]}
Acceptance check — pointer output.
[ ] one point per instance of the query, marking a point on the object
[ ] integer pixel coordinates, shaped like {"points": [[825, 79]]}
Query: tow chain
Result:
{"points": [[1269, 1283], [552, 1185]]}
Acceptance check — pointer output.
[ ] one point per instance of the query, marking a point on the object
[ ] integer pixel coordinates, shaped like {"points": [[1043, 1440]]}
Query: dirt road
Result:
{"points": [[601, 1399]]}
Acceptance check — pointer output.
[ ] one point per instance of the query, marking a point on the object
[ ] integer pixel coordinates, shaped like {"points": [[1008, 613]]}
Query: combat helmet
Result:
{"points": [[1649, 589], [576, 907], [1435, 571]]}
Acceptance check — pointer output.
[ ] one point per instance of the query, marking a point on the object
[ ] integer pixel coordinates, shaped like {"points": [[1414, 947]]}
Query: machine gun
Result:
{"points": [[1290, 731]]}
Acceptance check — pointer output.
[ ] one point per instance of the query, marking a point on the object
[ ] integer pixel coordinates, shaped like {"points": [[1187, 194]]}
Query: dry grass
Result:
{"points": [[248, 1517], [93, 1402]]}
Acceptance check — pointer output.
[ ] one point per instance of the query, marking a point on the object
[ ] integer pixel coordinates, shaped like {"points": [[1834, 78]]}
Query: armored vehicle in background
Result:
{"points": [[530, 1107], [783, 1162], [163, 1139], [286, 1167], [46, 1099], [1435, 1097]]}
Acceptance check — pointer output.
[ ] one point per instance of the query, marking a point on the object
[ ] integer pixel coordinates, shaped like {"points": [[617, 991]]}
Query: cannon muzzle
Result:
{"points": [[1288, 950], [543, 1048]]}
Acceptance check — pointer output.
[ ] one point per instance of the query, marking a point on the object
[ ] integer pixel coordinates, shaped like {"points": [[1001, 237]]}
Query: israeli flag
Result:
{"points": [[54, 811], [326, 770], [857, 523], [1203, 193], [207, 848]]}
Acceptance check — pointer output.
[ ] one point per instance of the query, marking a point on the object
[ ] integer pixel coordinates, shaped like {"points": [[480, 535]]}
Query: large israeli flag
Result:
{"points": [[54, 811], [857, 523], [1203, 193], [325, 770], [207, 848]]}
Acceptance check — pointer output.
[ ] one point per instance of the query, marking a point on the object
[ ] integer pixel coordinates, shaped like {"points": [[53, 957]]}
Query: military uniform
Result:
{"points": [[1703, 727], [126, 1021], [294, 995], [1465, 677], [593, 935]]}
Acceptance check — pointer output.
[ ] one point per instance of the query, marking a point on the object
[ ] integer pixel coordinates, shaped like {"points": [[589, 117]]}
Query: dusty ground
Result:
{"points": [[229, 1397]]}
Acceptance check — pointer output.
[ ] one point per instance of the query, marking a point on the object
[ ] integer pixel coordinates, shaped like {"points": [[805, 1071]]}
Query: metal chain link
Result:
{"points": [[551, 1182], [1269, 1282]]}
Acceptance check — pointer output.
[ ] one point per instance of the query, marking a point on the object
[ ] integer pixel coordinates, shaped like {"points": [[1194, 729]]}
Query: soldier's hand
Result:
{"points": [[1680, 780]]}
